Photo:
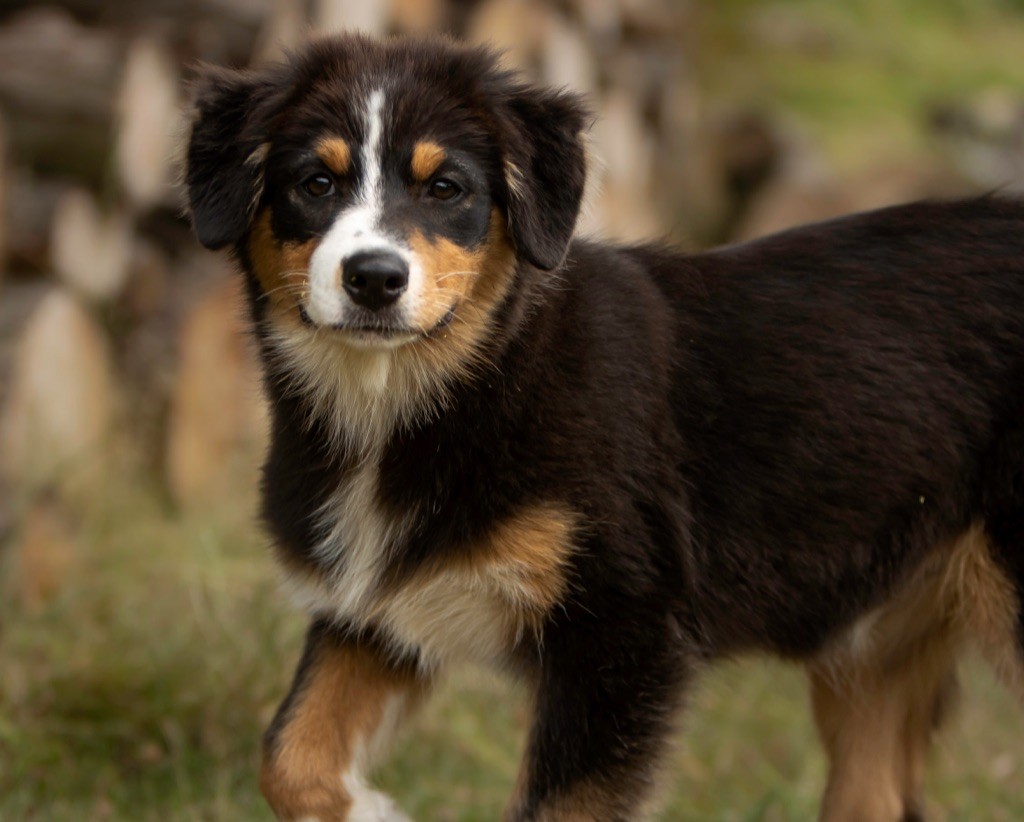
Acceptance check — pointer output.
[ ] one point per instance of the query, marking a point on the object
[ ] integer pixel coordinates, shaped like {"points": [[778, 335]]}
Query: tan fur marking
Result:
{"points": [[514, 179], [474, 281], [860, 732], [987, 606], [259, 155], [878, 694], [335, 153], [476, 609], [339, 709], [257, 159], [426, 159], [449, 272], [876, 716], [528, 554], [281, 268]]}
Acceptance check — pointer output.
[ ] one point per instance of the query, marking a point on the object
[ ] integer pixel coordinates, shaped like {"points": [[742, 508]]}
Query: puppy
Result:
{"points": [[598, 467]]}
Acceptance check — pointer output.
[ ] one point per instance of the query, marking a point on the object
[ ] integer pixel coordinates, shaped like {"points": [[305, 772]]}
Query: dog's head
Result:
{"points": [[382, 194]]}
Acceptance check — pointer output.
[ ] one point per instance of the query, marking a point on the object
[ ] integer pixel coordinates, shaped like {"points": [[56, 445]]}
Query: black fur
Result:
{"points": [[540, 136], [231, 120], [761, 441]]}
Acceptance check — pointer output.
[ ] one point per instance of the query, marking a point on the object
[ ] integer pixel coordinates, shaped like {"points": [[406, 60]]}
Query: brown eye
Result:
{"points": [[442, 189], [319, 185]]}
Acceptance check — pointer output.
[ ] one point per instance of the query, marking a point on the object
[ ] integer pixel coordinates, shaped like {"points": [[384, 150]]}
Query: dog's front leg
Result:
{"points": [[345, 703], [608, 691]]}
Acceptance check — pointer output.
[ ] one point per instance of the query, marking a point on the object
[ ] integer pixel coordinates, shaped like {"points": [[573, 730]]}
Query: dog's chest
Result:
{"points": [[358, 538], [466, 609], [448, 614]]}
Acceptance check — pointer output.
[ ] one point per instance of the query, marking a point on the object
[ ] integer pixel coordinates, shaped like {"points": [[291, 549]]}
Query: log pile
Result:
{"points": [[117, 335]]}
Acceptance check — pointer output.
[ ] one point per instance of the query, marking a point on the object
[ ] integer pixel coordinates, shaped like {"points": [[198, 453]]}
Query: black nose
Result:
{"points": [[374, 279]]}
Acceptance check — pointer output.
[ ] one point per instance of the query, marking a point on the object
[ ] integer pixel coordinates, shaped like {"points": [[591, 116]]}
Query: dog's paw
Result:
{"points": [[372, 806]]}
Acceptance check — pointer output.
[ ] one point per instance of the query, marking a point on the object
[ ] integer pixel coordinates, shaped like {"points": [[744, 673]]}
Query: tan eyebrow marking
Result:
{"points": [[335, 153], [426, 158]]}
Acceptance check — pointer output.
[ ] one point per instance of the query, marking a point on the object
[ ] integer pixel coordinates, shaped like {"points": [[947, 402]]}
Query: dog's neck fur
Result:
{"points": [[362, 396]]}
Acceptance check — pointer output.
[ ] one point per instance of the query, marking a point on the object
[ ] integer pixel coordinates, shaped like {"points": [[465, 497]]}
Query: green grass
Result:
{"points": [[141, 691]]}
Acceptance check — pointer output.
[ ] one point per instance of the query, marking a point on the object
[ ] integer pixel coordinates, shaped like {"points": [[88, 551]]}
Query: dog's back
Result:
{"points": [[851, 400], [850, 394]]}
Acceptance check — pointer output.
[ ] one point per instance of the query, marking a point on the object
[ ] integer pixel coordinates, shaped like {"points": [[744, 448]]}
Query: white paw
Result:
{"points": [[373, 806]]}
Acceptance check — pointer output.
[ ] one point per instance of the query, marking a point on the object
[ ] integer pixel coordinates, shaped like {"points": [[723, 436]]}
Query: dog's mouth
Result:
{"points": [[368, 330]]}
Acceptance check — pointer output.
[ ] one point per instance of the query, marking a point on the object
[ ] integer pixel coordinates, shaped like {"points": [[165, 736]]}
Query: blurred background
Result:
{"points": [[144, 643]]}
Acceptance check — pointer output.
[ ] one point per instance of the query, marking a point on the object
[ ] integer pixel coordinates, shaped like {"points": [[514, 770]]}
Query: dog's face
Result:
{"points": [[384, 194]]}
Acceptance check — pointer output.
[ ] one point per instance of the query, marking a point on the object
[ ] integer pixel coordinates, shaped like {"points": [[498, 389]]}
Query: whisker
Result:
{"points": [[445, 304], [292, 285], [464, 299], [448, 274], [267, 294], [293, 288]]}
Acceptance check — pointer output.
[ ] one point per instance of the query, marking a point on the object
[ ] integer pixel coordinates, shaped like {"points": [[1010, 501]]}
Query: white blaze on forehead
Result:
{"points": [[372, 192], [357, 229]]}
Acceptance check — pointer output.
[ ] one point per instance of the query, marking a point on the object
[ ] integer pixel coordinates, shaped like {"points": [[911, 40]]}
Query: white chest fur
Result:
{"points": [[463, 610], [359, 538]]}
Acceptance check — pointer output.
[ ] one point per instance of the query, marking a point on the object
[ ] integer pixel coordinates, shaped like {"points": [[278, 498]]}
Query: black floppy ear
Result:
{"points": [[226, 151], [545, 172]]}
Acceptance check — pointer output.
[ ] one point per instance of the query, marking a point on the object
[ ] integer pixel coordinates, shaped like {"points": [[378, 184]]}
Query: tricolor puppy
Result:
{"points": [[595, 467]]}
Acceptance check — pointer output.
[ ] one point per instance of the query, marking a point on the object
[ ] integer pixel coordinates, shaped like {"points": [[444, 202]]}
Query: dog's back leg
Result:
{"points": [[876, 724], [992, 573], [880, 691], [937, 698]]}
